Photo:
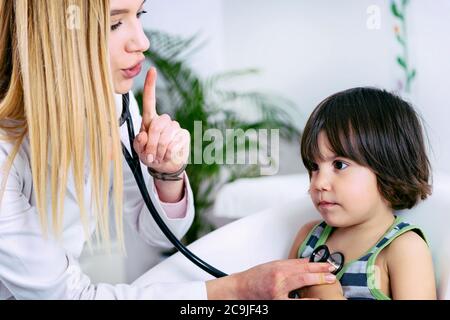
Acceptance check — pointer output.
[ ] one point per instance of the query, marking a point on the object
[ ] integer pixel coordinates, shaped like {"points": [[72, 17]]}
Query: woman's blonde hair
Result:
{"points": [[56, 88]]}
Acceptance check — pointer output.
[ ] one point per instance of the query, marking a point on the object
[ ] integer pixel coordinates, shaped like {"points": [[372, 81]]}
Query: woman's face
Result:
{"points": [[127, 42]]}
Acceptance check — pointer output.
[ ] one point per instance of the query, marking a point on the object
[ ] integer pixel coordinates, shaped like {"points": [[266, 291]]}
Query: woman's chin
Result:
{"points": [[123, 86]]}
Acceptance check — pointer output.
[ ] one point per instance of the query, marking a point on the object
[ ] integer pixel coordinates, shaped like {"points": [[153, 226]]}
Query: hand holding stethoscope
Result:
{"points": [[161, 143], [322, 254]]}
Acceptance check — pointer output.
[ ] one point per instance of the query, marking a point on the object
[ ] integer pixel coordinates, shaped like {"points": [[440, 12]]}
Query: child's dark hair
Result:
{"points": [[377, 130]]}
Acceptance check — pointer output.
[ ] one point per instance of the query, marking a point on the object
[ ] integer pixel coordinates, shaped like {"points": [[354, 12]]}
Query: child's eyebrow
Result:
{"points": [[331, 157]]}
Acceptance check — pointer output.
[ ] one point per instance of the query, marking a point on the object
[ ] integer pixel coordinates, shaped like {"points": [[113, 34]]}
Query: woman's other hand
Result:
{"points": [[273, 280]]}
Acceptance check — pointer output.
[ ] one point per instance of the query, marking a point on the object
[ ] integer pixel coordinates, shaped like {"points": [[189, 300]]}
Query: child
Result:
{"points": [[365, 155]]}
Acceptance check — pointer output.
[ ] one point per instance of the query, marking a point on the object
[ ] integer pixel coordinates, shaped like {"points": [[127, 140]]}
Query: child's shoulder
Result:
{"points": [[307, 228], [409, 243], [410, 266], [301, 236], [406, 250]]}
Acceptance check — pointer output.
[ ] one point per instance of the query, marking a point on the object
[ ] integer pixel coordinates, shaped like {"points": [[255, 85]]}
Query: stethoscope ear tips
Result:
{"points": [[322, 254]]}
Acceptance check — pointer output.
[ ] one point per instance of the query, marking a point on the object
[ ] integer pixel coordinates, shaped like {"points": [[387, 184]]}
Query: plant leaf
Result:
{"points": [[401, 40], [402, 63], [395, 11]]}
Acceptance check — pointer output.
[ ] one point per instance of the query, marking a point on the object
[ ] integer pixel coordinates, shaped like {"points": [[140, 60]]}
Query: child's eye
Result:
{"points": [[314, 167], [340, 165]]}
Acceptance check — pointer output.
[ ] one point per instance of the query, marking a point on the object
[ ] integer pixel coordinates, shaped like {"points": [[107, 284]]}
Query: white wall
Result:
{"points": [[308, 50], [430, 35], [187, 18], [311, 49]]}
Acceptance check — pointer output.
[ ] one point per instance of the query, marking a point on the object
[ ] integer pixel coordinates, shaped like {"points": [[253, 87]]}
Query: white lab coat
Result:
{"points": [[34, 268]]}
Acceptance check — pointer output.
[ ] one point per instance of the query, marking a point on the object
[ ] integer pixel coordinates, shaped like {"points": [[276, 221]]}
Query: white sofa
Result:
{"points": [[268, 235]]}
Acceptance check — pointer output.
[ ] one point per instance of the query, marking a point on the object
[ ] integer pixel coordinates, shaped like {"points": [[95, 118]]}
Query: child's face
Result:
{"points": [[344, 192]]}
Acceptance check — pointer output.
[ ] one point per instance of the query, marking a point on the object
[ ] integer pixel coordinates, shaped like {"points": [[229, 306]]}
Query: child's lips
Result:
{"points": [[326, 204]]}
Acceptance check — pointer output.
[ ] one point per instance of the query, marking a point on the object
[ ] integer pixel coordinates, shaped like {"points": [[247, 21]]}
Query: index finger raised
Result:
{"points": [[149, 99]]}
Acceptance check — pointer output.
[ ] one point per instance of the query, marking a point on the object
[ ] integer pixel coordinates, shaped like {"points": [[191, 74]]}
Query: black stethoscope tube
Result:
{"points": [[135, 166]]}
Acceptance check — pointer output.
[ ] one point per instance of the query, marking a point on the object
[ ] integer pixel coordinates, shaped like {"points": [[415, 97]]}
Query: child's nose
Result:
{"points": [[321, 181]]}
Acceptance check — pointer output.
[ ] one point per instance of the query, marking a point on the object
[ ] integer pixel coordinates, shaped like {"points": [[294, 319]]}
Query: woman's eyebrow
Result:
{"points": [[116, 12]]}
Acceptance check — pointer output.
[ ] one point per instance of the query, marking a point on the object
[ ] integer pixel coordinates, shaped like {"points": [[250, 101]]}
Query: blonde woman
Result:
{"points": [[64, 65]]}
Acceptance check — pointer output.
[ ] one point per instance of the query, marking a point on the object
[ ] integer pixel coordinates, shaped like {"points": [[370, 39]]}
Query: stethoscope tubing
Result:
{"points": [[135, 166]]}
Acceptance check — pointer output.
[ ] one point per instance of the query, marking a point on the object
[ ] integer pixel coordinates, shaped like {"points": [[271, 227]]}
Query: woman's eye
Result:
{"points": [[115, 26], [141, 13], [118, 24], [340, 165]]}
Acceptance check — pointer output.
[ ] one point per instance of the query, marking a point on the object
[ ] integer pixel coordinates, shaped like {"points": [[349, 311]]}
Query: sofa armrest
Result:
{"points": [[248, 196]]}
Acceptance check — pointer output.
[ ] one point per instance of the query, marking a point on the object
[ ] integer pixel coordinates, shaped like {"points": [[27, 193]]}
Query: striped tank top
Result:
{"points": [[358, 278]]}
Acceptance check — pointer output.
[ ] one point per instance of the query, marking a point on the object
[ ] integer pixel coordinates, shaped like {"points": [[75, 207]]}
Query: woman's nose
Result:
{"points": [[140, 42]]}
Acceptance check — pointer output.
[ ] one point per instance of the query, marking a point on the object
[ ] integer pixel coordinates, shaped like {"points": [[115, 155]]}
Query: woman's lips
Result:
{"points": [[132, 72]]}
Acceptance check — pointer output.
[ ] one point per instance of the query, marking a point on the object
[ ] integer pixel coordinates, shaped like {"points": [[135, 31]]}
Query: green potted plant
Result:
{"points": [[195, 102]]}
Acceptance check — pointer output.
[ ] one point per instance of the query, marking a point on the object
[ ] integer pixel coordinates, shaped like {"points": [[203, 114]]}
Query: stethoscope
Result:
{"points": [[135, 166], [320, 254]]}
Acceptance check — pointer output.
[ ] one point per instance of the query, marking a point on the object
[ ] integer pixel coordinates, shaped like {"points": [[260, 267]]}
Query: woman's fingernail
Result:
{"points": [[150, 158], [330, 278]]}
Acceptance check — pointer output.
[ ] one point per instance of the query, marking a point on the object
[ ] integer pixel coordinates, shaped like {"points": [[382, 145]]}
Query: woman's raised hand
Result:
{"points": [[161, 143]]}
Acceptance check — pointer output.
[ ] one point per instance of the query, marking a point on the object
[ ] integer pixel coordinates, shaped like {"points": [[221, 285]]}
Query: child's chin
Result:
{"points": [[331, 220]]}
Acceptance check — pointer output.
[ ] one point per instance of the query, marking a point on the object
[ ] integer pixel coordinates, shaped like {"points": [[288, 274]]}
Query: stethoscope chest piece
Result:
{"points": [[322, 254]]}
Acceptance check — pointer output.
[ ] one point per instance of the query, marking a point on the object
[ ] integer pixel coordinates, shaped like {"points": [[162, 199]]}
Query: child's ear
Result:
{"points": [[387, 203]]}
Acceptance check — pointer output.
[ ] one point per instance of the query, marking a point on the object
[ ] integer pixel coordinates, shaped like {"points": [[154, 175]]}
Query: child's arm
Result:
{"points": [[331, 291], [410, 268]]}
